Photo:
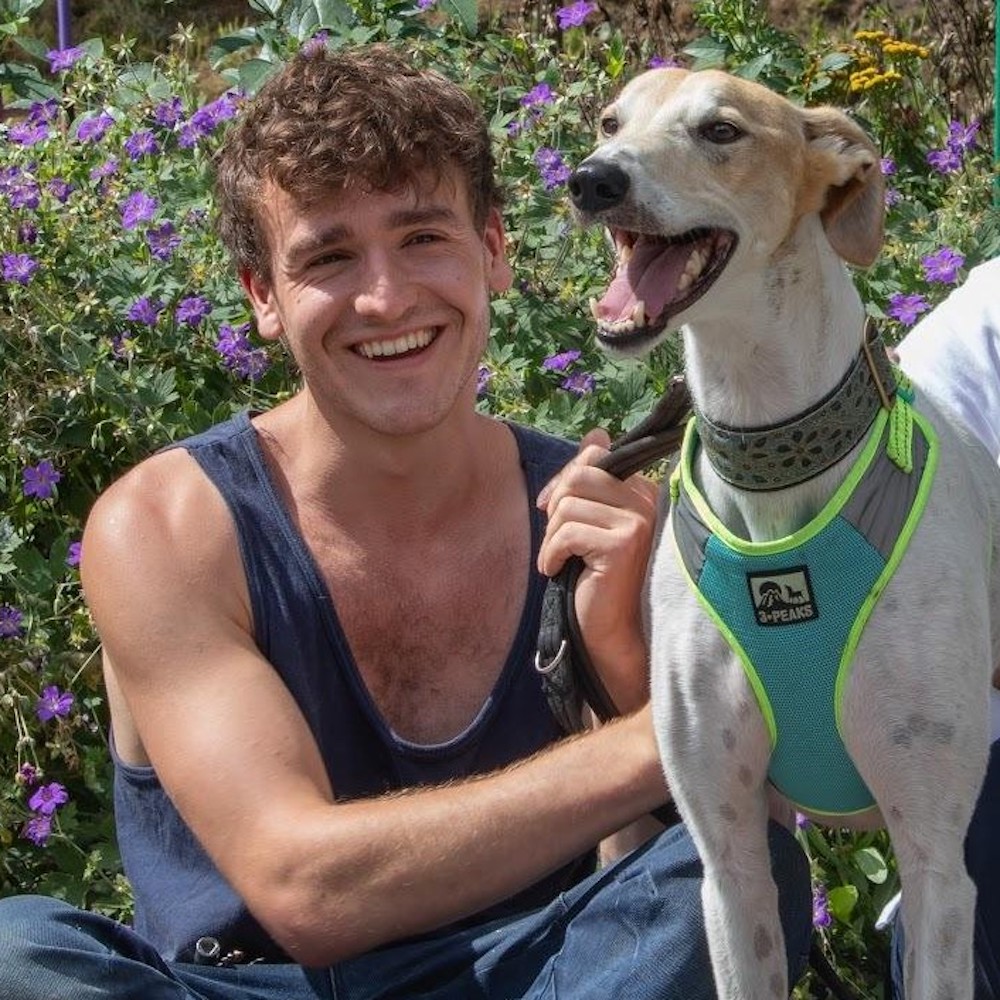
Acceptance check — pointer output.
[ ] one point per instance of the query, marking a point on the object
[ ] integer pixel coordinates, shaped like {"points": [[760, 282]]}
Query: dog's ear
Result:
{"points": [[844, 183]]}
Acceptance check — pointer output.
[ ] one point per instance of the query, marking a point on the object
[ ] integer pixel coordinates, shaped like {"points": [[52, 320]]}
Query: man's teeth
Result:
{"points": [[398, 345]]}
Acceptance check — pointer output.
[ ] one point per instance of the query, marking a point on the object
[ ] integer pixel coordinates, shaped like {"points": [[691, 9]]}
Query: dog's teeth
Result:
{"points": [[592, 302], [684, 281], [639, 314]]}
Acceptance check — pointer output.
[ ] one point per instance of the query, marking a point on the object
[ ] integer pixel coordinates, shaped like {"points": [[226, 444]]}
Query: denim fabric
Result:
{"points": [[632, 931], [982, 858]]}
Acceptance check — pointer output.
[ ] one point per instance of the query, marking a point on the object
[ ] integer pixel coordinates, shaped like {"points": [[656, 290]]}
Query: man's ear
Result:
{"points": [[499, 271], [265, 308]]}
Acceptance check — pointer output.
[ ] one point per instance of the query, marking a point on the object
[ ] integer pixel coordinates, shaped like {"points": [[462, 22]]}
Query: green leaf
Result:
{"points": [[842, 901], [306, 17], [466, 12], [872, 864], [254, 72], [707, 53]]}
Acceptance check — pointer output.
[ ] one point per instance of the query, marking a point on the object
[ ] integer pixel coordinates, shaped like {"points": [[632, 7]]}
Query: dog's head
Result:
{"points": [[700, 177]]}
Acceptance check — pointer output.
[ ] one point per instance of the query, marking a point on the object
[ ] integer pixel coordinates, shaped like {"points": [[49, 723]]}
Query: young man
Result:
{"points": [[954, 354], [336, 772]]}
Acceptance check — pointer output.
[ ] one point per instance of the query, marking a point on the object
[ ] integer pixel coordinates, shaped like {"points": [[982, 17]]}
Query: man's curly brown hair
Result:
{"points": [[329, 121]]}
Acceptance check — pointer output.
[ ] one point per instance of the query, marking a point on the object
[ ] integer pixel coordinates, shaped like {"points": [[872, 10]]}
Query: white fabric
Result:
{"points": [[954, 353]]}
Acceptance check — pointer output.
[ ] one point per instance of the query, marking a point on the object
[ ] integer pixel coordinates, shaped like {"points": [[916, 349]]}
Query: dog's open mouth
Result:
{"points": [[657, 277]]}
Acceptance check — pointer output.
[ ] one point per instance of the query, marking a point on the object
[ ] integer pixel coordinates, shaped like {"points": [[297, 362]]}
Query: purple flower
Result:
{"points": [[821, 907], [43, 112], [74, 553], [579, 383], [193, 310], [24, 192], [138, 207], [19, 267], [906, 308], [541, 93], [27, 774], [892, 197], [552, 168], [942, 266], [53, 702], [168, 113], [141, 143], [162, 240], [28, 133], [802, 822], [60, 189], [483, 378], [426, 4], [40, 480], [888, 166], [205, 120], [38, 829], [662, 62], [962, 138], [106, 169], [317, 43], [10, 622], [944, 161], [238, 355], [560, 362], [574, 14], [61, 60], [48, 798], [145, 310], [94, 129], [27, 233]]}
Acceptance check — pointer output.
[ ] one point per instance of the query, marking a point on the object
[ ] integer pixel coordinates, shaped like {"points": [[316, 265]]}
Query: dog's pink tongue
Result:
{"points": [[650, 276]]}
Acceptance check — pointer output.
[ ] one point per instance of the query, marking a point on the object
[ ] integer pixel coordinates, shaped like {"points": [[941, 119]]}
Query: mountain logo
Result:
{"points": [[782, 597]]}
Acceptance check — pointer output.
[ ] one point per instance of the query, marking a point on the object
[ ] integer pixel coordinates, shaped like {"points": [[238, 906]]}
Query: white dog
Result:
{"points": [[798, 641]]}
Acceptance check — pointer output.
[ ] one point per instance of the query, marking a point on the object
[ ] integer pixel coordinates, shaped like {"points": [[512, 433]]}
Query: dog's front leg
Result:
{"points": [[715, 747]]}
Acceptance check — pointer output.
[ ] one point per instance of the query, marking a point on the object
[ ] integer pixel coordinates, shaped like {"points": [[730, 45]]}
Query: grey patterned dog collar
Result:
{"points": [[772, 458]]}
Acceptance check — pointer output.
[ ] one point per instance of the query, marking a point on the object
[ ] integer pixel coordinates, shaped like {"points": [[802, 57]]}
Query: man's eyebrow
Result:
{"points": [[311, 242]]}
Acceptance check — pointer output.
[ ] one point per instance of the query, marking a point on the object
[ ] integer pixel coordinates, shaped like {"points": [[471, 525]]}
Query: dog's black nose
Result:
{"points": [[595, 187]]}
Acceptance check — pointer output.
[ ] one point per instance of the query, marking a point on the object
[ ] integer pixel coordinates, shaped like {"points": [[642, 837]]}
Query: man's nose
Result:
{"points": [[385, 289]]}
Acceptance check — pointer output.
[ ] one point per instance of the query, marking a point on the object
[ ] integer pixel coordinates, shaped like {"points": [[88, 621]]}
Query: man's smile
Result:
{"points": [[414, 341]]}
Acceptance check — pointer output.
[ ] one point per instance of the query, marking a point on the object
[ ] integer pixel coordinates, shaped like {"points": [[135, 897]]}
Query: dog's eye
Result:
{"points": [[609, 125], [720, 132]]}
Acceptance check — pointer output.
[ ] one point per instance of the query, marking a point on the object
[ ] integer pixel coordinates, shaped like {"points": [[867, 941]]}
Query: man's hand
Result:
{"points": [[609, 524]]}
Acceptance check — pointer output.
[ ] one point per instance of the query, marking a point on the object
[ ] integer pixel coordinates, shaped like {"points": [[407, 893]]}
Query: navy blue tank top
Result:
{"points": [[180, 895]]}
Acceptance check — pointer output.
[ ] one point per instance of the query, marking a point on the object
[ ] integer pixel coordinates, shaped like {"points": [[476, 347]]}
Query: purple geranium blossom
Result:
{"points": [[944, 161], [145, 310], [40, 480], [551, 166], [27, 774], [574, 14], [193, 310], [48, 798], [38, 829], [541, 93], [888, 166], [60, 189], [141, 143], [27, 233], [105, 169], [163, 240], [95, 128], [74, 553], [483, 378], [52, 703], [168, 113], [821, 907], [662, 62], [892, 197], [19, 267], [962, 138], [579, 382], [906, 308], [426, 4], [24, 192], [560, 362], [43, 112], [205, 120], [61, 60], [10, 622], [28, 133], [943, 265], [237, 353], [138, 207]]}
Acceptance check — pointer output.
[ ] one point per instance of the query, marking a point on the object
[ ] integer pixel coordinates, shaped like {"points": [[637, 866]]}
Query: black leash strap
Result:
{"points": [[569, 677]]}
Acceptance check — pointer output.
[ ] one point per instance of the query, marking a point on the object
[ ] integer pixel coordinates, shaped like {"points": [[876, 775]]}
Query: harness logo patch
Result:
{"points": [[784, 597]]}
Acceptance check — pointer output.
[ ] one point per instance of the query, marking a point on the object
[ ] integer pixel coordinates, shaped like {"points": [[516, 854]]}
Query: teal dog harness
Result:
{"points": [[794, 609]]}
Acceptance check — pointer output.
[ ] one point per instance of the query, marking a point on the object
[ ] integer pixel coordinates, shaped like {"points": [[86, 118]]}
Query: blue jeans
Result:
{"points": [[633, 931], [982, 858]]}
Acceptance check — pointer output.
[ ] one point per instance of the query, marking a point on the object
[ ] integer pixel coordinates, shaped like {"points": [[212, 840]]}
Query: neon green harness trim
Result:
{"points": [[794, 609]]}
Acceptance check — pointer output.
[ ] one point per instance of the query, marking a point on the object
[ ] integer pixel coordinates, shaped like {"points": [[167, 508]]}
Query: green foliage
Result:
{"points": [[100, 368]]}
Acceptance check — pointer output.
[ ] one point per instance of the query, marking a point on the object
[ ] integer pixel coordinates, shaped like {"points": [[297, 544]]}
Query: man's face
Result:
{"points": [[382, 298]]}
